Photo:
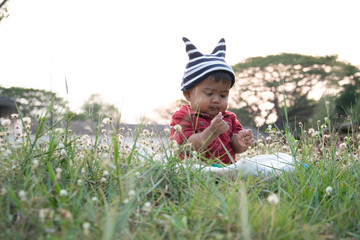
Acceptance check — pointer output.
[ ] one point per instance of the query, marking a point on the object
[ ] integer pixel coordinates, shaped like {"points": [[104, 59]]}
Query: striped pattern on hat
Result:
{"points": [[200, 65]]}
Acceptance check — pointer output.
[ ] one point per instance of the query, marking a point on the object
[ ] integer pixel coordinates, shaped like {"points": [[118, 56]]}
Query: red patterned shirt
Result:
{"points": [[194, 122]]}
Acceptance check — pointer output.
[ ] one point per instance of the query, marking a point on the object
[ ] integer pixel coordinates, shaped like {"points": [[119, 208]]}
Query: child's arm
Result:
{"points": [[242, 141], [205, 138]]}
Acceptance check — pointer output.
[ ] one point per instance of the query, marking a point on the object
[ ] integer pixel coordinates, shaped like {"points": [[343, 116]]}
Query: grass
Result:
{"points": [[57, 185]]}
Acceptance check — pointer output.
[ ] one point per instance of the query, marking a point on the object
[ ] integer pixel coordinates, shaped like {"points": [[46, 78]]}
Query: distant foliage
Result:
{"points": [[3, 10], [94, 108], [32, 102], [262, 81], [348, 102]]}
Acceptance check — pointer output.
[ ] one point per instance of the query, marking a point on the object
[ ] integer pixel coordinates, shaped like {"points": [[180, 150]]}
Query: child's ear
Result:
{"points": [[187, 94]]}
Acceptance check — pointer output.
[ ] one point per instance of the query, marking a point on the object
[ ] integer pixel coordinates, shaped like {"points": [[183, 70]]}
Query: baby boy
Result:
{"points": [[213, 132]]}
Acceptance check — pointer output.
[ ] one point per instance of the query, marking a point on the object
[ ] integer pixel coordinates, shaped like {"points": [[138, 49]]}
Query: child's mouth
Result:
{"points": [[214, 109]]}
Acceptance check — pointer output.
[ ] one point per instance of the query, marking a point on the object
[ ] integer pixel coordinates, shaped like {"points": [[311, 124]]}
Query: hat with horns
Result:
{"points": [[200, 65]]}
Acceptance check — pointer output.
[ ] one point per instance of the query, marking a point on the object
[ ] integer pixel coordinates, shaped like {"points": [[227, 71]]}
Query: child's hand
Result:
{"points": [[218, 125], [245, 138]]}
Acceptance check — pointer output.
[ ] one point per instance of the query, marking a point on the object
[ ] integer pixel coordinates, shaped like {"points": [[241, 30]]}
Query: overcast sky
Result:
{"points": [[132, 53]]}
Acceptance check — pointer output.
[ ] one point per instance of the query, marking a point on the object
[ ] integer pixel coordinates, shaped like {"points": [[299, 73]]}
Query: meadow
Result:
{"points": [[122, 184]]}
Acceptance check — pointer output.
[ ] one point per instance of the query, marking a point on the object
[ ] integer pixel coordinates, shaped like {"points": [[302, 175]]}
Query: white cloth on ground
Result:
{"points": [[265, 165]]}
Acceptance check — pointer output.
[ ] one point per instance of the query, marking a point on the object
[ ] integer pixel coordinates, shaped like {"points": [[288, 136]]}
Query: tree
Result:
{"points": [[34, 101], [3, 10], [95, 107], [348, 103], [261, 81]]}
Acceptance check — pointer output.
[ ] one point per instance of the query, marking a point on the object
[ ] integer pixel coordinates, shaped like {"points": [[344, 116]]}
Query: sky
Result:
{"points": [[132, 53]]}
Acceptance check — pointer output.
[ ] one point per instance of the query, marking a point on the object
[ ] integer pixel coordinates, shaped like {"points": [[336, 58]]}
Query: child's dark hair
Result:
{"points": [[222, 76]]}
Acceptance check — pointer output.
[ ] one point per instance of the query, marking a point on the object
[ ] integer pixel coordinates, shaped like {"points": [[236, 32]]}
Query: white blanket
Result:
{"points": [[265, 165]]}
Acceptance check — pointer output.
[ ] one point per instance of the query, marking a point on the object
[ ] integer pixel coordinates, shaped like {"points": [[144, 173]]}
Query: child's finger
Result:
{"points": [[218, 118], [248, 132]]}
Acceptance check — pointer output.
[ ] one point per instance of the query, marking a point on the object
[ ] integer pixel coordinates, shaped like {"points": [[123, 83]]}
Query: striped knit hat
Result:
{"points": [[200, 65]]}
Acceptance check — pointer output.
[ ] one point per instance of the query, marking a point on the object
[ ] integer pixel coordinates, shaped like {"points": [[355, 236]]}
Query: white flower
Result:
{"points": [[177, 127], [147, 206], [35, 163], [22, 194], [14, 116], [83, 170], [106, 121], [63, 193], [79, 181], [343, 146], [132, 193], [58, 173], [273, 199], [126, 201], [26, 120], [94, 199], [86, 225], [285, 148], [328, 190], [175, 145], [103, 180], [6, 123], [59, 130], [3, 191], [106, 173], [63, 152], [269, 127], [42, 214], [166, 130], [45, 212]]}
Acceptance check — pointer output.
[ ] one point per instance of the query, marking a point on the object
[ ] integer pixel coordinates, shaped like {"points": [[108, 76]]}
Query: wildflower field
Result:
{"points": [[122, 184]]}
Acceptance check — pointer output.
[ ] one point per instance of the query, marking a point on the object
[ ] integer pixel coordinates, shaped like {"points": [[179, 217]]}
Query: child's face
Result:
{"points": [[209, 96]]}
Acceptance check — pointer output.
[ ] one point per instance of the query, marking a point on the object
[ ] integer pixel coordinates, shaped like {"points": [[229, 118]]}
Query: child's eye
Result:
{"points": [[208, 93], [223, 96]]}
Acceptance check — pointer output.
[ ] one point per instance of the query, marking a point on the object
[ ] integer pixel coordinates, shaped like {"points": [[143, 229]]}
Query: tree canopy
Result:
{"points": [[348, 102], [34, 101], [95, 107], [262, 81]]}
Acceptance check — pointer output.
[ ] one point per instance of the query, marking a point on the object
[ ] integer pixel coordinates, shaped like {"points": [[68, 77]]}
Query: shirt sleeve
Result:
{"points": [[183, 119], [236, 126]]}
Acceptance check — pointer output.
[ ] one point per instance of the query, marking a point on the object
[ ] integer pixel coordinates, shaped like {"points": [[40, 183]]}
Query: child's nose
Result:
{"points": [[216, 99]]}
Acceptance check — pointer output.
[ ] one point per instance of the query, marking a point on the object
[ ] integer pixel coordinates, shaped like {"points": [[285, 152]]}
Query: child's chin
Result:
{"points": [[213, 113]]}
